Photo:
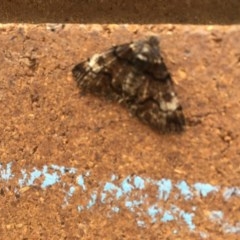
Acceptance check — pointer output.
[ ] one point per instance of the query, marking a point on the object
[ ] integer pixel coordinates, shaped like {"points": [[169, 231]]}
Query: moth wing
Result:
{"points": [[106, 73]]}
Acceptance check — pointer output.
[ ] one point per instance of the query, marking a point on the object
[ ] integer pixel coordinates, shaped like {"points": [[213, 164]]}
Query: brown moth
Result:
{"points": [[135, 75]]}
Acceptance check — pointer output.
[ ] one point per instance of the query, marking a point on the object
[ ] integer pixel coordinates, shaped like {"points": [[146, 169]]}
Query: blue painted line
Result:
{"points": [[185, 190], [167, 217], [139, 182], [6, 174], [204, 189], [80, 182], [133, 191], [126, 186], [232, 191], [164, 188]]}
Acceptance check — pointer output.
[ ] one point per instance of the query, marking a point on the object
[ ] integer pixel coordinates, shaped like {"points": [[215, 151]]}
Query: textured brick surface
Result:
{"points": [[44, 120]]}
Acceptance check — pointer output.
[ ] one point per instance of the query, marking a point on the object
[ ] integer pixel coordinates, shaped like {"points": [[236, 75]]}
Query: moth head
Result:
{"points": [[147, 50]]}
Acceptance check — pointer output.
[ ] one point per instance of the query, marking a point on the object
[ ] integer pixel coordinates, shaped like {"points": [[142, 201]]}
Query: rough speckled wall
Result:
{"points": [[76, 166]]}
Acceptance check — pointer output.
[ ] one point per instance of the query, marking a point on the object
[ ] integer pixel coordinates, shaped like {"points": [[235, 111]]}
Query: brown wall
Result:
{"points": [[115, 11]]}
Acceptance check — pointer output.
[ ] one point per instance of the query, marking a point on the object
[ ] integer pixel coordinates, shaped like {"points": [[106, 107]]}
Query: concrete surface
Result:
{"points": [[79, 167]]}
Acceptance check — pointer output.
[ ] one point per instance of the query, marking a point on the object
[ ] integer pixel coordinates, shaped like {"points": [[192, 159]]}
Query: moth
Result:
{"points": [[135, 75]]}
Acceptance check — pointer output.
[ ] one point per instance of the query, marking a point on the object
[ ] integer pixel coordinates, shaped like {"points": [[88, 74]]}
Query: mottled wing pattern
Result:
{"points": [[135, 75]]}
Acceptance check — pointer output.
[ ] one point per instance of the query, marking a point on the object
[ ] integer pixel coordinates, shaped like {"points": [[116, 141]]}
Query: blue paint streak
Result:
{"points": [[164, 189], [133, 192], [6, 174], [188, 218], [69, 194], [139, 182], [126, 186], [153, 211], [22, 180], [103, 197], [231, 229], [71, 191], [50, 179], [132, 204], [33, 176], [185, 190], [113, 189], [80, 182], [204, 189], [92, 201], [230, 192], [58, 168], [116, 209], [167, 217], [216, 216]]}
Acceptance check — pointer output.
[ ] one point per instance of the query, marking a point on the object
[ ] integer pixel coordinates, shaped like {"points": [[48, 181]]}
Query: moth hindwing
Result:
{"points": [[135, 75]]}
